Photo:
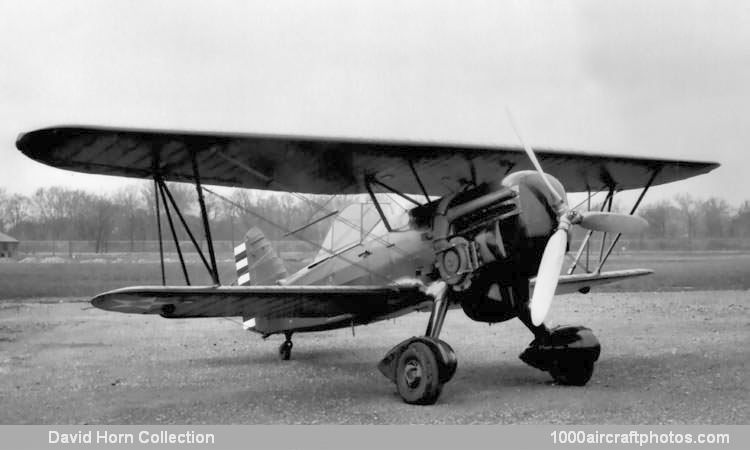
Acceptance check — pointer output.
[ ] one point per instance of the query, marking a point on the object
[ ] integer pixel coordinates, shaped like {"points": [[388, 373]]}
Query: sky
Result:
{"points": [[639, 77]]}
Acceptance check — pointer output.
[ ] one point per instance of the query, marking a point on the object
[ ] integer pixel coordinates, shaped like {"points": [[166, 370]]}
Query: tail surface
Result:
{"points": [[256, 261]]}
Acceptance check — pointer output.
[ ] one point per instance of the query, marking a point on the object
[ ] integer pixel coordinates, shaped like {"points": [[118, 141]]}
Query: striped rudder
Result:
{"points": [[240, 263], [256, 261]]}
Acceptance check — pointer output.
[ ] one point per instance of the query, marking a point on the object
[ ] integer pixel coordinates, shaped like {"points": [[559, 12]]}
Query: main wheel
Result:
{"points": [[418, 375], [572, 372], [285, 350]]}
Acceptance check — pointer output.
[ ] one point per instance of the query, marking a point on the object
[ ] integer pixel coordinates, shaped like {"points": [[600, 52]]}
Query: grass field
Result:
{"points": [[82, 277], [667, 358], [681, 271]]}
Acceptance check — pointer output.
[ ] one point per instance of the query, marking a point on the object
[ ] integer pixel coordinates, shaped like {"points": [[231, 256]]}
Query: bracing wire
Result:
{"points": [[280, 227], [321, 207]]}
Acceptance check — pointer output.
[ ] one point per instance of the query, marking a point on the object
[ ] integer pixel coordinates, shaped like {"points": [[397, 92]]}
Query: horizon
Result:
{"points": [[622, 199]]}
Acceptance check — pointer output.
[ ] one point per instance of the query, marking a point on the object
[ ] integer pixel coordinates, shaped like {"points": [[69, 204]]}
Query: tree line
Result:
{"points": [[687, 217], [129, 214]]}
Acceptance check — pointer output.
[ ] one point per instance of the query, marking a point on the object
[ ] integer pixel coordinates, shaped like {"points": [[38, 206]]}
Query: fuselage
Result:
{"points": [[382, 257], [486, 242]]}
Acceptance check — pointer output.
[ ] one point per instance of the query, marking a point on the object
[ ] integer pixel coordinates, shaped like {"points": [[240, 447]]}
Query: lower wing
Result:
{"points": [[299, 301], [266, 301], [584, 281]]}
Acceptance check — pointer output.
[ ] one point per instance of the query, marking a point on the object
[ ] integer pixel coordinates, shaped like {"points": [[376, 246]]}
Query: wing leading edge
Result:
{"points": [[328, 165]]}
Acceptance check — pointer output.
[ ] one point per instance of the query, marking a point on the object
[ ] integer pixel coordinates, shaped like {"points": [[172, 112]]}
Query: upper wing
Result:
{"points": [[265, 301], [322, 165]]}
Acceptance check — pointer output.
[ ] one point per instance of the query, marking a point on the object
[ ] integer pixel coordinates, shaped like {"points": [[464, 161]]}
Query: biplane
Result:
{"points": [[487, 230]]}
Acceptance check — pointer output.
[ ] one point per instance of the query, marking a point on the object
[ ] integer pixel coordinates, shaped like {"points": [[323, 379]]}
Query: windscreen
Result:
{"points": [[356, 223]]}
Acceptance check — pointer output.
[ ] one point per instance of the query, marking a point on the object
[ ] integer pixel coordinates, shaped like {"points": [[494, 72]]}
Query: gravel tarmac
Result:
{"points": [[667, 357]]}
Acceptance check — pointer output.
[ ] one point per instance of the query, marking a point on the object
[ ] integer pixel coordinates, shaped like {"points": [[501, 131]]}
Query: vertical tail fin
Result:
{"points": [[256, 261]]}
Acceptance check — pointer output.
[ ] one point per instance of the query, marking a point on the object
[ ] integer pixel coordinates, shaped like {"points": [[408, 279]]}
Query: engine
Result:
{"points": [[488, 241]]}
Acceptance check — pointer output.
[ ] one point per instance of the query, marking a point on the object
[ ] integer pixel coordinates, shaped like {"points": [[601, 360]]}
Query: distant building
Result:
{"points": [[8, 246]]}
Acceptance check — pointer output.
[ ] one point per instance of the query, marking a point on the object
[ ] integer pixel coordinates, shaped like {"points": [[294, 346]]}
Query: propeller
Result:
{"points": [[548, 273]]}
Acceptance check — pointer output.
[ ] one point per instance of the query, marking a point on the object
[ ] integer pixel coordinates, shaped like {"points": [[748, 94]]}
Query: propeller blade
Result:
{"points": [[548, 276], [612, 222], [532, 156]]}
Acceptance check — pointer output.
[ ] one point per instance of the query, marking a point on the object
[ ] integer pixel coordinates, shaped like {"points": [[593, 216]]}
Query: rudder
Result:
{"points": [[256, 261]]}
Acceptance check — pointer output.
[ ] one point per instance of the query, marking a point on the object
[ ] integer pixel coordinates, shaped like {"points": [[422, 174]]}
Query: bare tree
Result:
{"points": [[130, 206], [686, 204], [3, 206], [16, 211], [658, 217], [53, 205], [184, 196], [103, 212], [740, 223], [715, 214]]}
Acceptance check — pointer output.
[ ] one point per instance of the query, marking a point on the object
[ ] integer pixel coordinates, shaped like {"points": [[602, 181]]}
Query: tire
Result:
{"points": [[418, 375], [572, 372]]}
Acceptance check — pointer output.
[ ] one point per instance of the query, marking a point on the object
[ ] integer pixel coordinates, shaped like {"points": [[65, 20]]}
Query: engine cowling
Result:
{"points": [[488, 241], [468, 234]]}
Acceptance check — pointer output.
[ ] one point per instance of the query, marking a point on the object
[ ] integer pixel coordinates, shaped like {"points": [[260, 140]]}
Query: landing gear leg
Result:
{"points": [[567, 353], [541, 332], [437, 315], [285, 349], [420, 366]]}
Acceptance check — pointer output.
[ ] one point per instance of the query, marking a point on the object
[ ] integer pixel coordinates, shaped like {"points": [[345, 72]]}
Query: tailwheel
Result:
{"points": [[285, 349], [418, 375], [572, 372]]}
